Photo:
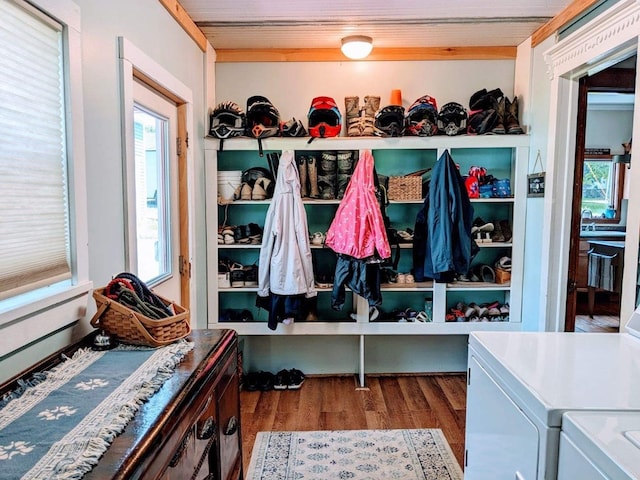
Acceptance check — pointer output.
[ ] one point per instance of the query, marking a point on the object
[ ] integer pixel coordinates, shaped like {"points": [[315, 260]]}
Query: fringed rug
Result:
{"points": [[421, 454], [59, 423]]}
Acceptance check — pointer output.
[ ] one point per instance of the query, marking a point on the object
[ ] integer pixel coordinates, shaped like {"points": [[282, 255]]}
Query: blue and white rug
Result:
{"points": [[59, 424], [420, 454]]}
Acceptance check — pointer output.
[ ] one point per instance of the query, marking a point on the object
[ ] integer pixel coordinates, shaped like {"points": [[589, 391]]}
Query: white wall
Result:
{"points": [[148, 25], [538, 119], [292, 86], [609, 128]]}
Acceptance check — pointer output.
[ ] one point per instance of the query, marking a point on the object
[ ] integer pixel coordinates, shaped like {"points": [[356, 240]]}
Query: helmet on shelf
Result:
{"points": [[227, 120], [389, 121], [452, 119], [324, 118], [263, 119], [421, 118]]}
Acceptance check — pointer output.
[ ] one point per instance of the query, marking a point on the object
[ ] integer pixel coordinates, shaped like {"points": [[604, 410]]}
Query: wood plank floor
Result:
{"points": [[336, 403]]}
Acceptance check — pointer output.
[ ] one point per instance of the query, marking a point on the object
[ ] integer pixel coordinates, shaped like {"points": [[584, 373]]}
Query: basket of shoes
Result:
{"points": [[131, 313], [406, 187]]}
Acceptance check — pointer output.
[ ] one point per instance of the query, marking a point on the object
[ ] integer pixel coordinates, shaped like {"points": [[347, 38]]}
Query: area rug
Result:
{"points": [[421, 454], [58, 424]]}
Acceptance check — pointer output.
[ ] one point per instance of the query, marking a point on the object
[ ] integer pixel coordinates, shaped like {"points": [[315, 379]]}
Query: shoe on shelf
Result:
{"points": [[506, 230], [405, 236], [261, 189], [317, 238], [479, 225], [409, 279], [497, 235], [296, 379], [237, 275], [250, 275], [282, 380]]}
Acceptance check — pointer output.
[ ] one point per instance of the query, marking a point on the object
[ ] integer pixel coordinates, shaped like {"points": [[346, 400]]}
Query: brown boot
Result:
{"points": [[499, 106], [312, 172], [371, 107], [303, 172], [511, 117], [352, 109]]}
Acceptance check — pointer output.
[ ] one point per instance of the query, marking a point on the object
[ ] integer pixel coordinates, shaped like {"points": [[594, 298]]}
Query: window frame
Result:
{"points": [[619, 171], [29, 317]]}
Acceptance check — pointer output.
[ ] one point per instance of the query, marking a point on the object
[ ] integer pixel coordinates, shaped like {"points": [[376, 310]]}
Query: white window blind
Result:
{"points": [[34, 218]]}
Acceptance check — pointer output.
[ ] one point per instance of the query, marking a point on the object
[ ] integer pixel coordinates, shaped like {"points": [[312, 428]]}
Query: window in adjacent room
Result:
{"points": [[602, 185]]}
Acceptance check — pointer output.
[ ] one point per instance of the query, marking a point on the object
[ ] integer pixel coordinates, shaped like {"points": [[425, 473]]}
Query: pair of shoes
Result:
{"points": [[248, 234], [405, 278], [224, 275], [236, 271], [481, 230], [235, 315], [405, 236], [226, 235], [317, 238], [254, 381], [422, 316], [261, 190], [289, 379], [374, 313], [324, 281]]}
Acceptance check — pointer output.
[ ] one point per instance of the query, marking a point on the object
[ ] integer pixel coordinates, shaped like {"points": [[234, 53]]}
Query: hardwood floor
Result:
{"points": [[606, 315], [336, 403]]}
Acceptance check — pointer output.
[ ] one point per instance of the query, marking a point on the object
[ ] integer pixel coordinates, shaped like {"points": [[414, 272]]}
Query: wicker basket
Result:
{"points": [[407, 187], [134, 328]]}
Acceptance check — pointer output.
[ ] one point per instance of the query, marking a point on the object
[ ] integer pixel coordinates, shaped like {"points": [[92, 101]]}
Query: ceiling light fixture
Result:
{"points": [[357, 47]]}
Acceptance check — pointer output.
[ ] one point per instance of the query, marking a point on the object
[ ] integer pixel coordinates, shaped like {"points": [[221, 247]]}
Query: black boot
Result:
{"points": [[345, 170], [328, 175]]}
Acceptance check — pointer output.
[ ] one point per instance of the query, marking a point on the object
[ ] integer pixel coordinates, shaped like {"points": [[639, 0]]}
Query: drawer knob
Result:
{"points": [[232, 426], [207, 430]]}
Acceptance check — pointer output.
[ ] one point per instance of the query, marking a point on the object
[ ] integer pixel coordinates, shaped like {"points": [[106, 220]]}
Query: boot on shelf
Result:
{"points": [[312, 173], [346, 161], [303, 172], [511, 117], [328, 175], [371, 107], [352, 110], [499, 106]]}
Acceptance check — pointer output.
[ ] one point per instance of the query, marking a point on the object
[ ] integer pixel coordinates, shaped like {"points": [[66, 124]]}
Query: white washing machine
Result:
{"points": [[521, 383], [599, 446]]}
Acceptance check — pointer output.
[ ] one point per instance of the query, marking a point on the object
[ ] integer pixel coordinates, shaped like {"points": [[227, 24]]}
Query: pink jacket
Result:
{"points": [[358, 228]]}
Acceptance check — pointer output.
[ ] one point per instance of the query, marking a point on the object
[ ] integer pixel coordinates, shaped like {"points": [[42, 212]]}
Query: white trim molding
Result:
{"points": [[604, 41], [132, 58], [616, 28]]}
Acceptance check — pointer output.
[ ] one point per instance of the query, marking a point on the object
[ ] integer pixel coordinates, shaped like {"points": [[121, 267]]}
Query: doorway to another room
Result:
{"points": [[600, 193]]}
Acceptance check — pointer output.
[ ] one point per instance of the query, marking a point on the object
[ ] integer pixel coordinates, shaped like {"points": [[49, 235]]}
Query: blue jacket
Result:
{"points": [[442, 238]]}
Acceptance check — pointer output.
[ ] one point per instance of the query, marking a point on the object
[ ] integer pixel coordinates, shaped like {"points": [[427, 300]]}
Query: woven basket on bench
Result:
{"points": [[129, 326]]}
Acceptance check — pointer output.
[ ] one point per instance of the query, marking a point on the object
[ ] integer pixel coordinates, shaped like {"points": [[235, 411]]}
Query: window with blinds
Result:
{"points": [[34, 213]]}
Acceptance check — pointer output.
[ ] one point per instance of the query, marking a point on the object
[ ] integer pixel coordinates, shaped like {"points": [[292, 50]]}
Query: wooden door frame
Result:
{"points": [[618, 80]]}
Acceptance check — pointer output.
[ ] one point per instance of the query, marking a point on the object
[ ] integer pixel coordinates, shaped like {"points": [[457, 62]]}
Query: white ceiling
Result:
{"points": [[402, 23]]}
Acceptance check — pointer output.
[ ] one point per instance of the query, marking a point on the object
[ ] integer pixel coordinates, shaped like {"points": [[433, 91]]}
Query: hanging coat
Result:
{"points": [[285, 266], [358, 228], [449, 215]]}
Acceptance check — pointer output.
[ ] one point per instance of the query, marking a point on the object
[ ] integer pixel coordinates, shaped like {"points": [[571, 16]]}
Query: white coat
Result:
{"points": [[285, 266]]}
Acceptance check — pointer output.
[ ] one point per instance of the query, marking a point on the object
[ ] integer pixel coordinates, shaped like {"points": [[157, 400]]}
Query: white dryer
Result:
{"points": [[600, 446], [521, 383]]}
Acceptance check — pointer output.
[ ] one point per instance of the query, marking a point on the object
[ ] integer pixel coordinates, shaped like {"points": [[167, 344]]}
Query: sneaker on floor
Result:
{"points": [[250, 382], [265, 381], [296, 379], [283, 378]]}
